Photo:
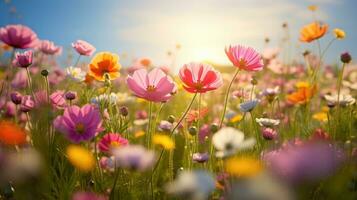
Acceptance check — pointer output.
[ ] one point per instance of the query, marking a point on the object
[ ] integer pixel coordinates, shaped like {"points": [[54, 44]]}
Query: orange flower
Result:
{"points": [[302, 95], [193, 115], [312, 32], [11, 134], [104, 63]]}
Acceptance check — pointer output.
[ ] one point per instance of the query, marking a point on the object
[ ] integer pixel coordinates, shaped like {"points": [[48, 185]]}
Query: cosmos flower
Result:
{"points": [[20, 80], [16, 97], [200, 78], [83, 48], [304, 162], [200, 157], [192, 185], [79, 124], [248, 105], [312, 32], [18, 36], [27, 103], [111, 98], [243, 166], [245, 58], [267, 122], [24, 59], [164, 141], [111, 140], [269, 133], [153, 86], [165, 125], [339, 33], [58, 100], [229, 140], [80, 158], [344, 100], [104, 64], [76, 73], [133, 157], [56, 76], [302, 95], [49, 48], [11, 134]]}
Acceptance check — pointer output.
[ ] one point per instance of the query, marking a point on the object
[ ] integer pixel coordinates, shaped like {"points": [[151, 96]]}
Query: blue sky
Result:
{"points": [[149, 28]]}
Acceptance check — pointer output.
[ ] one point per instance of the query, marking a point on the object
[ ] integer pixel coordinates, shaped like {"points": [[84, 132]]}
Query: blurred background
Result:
{"points": [[198, 29]]}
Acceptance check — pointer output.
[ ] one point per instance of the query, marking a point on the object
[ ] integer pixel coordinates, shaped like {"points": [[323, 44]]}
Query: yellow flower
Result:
{"points": [[312, 8], [139, 134], [339, 33], [325, 109], [236, 118], [320, 116], [243, 166], [80, 158], [163, 140], [104, 63], [302, 84]]}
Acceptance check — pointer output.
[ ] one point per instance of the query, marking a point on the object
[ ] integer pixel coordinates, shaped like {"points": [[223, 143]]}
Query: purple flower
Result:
{"points": [[24, 59], [27, 103], [70, 95], [134, 157], [200, 157], [304, 162], [16, 97], [165, 125], [58, 100], [18, 36], [79, 124]]}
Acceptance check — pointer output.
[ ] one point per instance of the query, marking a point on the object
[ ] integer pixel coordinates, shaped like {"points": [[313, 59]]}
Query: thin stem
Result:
{"points": [[226, 97], [184, 115], [148, 135], [76, 63], [29, 80], [198, 120]]}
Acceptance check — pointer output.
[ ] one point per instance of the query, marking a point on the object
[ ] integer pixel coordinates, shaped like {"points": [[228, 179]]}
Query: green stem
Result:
{"points": [[76, 63], [29, 80], [226, 97], [148, 134]]}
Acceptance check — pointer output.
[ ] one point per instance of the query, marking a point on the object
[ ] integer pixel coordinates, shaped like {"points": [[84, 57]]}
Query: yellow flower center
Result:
{"points": [[114, 144], [242, 63], [80, 128], [151, 88]]}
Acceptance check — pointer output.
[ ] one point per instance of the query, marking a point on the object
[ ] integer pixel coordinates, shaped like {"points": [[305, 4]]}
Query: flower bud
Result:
{"points": [[214, 127], [346, 57], [70, 95], [44, 72], [192, 130], [124, 111], [269, 133], [171, 119], [16, 98]]}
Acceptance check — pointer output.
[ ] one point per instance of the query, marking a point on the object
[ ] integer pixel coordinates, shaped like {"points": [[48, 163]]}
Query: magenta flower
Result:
{"points": [[83, 48], [56, 76], [16, 97], [111, 140], [245, 58], [153, 86], [27, 103], [79, 124], [48, 47], [58, 99], [18, 36], [24, 59], [200, 78]]}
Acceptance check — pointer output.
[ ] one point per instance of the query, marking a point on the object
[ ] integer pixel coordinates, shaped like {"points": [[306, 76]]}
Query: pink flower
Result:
{"points": [[153, 86], [81, 195], [111, 140], [245, 58], [200, 78], [79, 124], [83, 48], [58, 99], [27, 104], [48, 47], [18, 36], [56, 76], [24, 59]]}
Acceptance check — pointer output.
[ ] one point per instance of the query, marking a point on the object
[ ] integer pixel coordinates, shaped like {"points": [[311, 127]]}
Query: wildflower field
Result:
{"points": [[264, 127]]}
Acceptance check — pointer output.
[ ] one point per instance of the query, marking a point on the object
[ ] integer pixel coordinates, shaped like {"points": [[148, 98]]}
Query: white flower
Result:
{"points": [[195, 185], [267, 122], [228, 141], [345, 100], [112, 98], [248, 105], [76, 73]]}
